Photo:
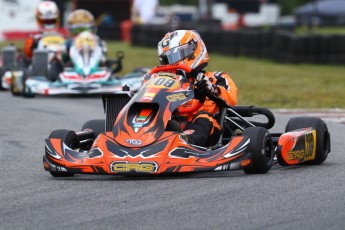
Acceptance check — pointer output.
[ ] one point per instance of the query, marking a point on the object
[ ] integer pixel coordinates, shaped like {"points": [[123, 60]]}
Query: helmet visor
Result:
{"points": [[177, 53], [78, 30], [47, 21]]}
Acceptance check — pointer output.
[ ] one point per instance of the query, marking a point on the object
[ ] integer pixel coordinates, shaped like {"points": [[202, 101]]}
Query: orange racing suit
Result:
{"points": [[202, 128]]}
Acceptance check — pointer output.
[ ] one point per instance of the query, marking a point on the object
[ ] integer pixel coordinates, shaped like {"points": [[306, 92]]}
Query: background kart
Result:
{"points": [[85, 77], [46, 59], [143, 139]]}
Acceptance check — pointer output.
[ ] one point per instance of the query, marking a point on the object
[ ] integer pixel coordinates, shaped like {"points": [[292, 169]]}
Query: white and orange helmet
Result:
{"points": [[183, 47], [47, 16]]}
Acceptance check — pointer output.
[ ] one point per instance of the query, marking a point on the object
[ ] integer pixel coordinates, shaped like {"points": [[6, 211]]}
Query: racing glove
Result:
{"points": [[204, 86]]}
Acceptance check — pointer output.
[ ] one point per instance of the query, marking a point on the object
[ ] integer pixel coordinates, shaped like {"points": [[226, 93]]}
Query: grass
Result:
{"points": [[321, 30], [261, 82]]}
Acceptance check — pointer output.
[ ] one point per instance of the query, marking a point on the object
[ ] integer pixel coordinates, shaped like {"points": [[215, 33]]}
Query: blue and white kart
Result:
{"points": [[85, 77]]}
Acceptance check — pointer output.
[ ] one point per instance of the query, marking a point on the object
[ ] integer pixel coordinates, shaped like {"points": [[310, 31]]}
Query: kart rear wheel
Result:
{"points": [[2, 72], [323, 139], [261, 147], [55, 69], [97, 125], [70, 138]]}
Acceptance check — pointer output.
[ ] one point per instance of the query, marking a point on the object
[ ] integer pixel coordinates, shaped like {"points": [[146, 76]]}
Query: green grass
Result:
{"points": [[321, 30], [261, 82]]}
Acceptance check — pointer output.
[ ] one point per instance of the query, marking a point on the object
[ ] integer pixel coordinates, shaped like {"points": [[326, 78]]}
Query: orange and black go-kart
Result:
{"points": [[139, 137]]}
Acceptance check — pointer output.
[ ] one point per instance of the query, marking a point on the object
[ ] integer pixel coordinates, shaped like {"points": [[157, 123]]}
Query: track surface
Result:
{"points": [[308, 197]]}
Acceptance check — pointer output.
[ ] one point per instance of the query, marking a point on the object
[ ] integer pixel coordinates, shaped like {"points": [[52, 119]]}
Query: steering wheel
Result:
{"points": [[173, 68]]}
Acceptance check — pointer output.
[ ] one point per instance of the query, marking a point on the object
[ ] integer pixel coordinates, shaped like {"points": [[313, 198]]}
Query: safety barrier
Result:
{"points": [[281, 46]]}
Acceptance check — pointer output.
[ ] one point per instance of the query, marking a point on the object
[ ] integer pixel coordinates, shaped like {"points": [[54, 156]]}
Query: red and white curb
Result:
{"points": [[332, 115]]}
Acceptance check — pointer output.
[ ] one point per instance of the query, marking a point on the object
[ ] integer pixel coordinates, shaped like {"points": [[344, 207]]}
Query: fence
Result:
{"points": [[281, 46]]}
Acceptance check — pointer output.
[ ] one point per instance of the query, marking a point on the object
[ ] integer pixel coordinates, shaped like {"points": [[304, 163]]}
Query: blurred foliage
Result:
{"points": [[181, 2], [288, 6]]}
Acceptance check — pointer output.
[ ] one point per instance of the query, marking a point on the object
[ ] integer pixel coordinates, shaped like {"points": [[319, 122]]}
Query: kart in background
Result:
{"points": [[88, 74], [46, 60], [139, 136], [134, 79]]}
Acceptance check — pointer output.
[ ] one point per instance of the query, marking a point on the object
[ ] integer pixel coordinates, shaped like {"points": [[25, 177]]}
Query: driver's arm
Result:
{"points": [[226, 88]]}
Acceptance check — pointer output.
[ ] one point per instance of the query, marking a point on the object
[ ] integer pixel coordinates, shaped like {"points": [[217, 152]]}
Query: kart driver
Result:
{"points": [[79, 21], [186, 47], [47, 17]]}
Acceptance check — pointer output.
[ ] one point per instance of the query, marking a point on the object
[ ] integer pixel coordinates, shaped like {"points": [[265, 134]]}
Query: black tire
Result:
{"points": [[55, 69], [280, 159], [2, 72], [70, 138], [323, 139], [97, 125], [261, 147]]}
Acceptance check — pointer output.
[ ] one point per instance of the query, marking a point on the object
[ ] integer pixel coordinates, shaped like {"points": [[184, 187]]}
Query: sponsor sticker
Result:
{"points": [[176, 97], [134, 142], [123, 166]]}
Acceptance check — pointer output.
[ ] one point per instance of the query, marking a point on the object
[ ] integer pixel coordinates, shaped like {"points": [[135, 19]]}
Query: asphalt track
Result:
{"points": [[308, 197]]}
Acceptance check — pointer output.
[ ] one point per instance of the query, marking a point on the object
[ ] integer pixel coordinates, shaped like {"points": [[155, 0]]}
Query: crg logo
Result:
{"points": [[140, 167], [133, 142]]}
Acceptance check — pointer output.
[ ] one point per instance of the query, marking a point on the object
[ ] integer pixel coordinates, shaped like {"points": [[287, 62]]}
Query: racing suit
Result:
{"points": [[31, 44], [202, 128], [66, 58]]}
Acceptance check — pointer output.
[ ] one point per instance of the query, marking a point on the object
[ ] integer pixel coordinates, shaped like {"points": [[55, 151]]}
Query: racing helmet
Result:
{"points": [[47, 16], [79, 21], [183, 47]]}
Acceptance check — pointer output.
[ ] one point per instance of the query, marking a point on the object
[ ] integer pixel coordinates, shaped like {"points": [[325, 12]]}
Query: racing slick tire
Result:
{"points": [[55, 69], [261, 147], [97, 126], [323, 139], [2, 72], [70, 138]]}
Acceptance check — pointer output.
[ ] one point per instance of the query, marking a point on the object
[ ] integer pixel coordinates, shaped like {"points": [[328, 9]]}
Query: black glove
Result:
{"points": [[199, 96], [204, 86]]}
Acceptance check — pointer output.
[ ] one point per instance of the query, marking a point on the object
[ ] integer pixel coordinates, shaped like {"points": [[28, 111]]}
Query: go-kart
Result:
{"points": [[87, 73], [13, 62], [139, 135], [46, 61]]}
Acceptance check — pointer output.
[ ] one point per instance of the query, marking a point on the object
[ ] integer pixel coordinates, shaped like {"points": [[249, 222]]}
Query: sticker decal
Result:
{"points": [[176, 97], [124, 166]]}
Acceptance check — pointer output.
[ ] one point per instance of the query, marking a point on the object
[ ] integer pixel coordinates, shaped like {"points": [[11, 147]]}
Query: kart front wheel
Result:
{"points": [[70, 138], [261, 147], [323, 139], [97, 126]]}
